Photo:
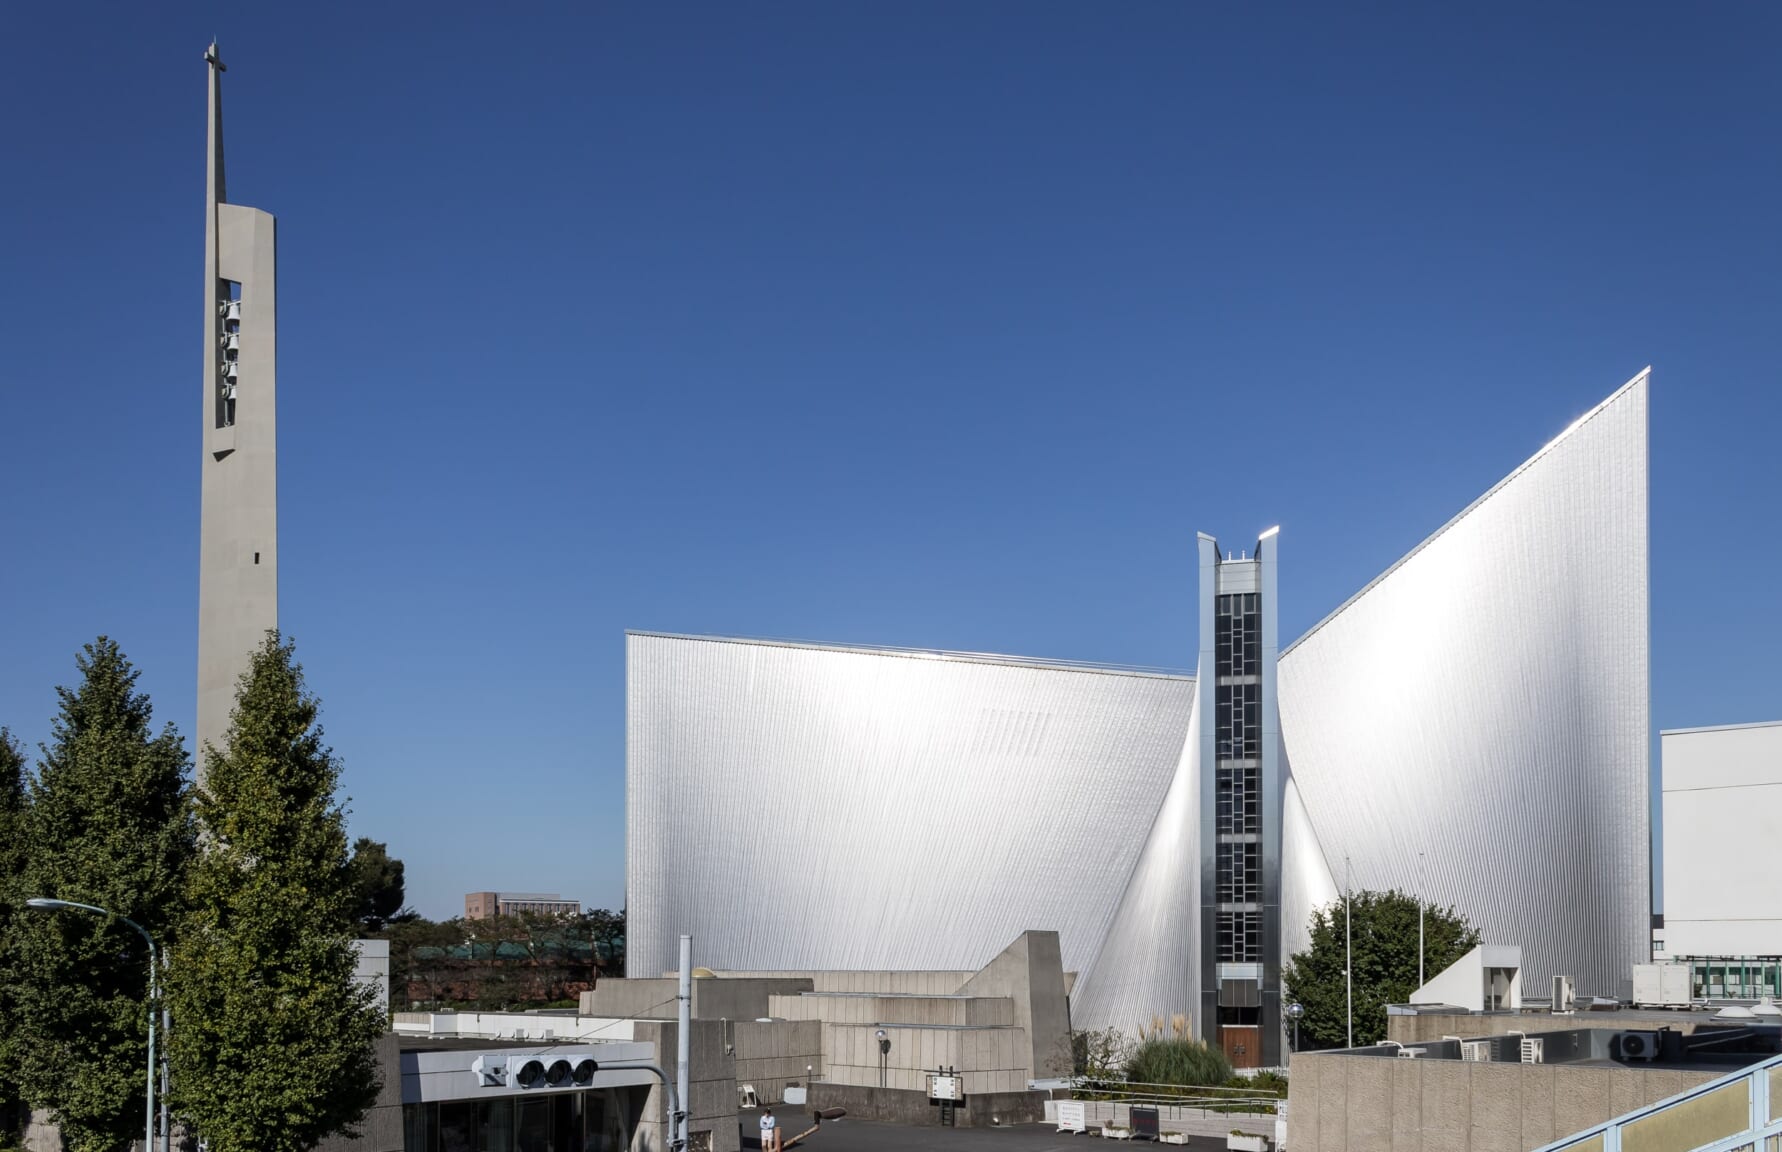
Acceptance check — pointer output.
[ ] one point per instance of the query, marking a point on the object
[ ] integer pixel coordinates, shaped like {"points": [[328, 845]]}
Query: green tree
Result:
{"points": [[607, 930], [108, 823], [273, 1047], [377, 884], [1384, 925], [12, 863]]}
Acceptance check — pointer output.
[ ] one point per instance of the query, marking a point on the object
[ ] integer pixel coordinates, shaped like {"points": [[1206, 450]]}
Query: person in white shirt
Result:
{"points": [[770, 1131]]}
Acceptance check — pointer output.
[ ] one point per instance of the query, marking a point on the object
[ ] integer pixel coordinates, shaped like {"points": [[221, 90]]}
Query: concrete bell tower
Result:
{"points": [[238, 549]]}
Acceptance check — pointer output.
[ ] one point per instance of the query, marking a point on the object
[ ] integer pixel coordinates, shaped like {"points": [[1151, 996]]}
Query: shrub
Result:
{"points": [[1174, 1056]]}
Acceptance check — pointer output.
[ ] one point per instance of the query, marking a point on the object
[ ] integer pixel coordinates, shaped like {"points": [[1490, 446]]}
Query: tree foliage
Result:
{"points": [[107, 823], [502, 962], [1384, 925], [377, 884], [274, 1044], [12, 862]]}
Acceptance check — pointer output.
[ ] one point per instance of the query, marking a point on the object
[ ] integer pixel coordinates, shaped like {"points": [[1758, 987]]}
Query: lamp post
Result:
{"points": [[1420, 980], [1294, 1011], [44, 904]]}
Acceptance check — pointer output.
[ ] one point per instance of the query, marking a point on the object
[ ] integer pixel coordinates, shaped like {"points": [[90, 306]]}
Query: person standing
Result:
{"points": [[770, 1131]]}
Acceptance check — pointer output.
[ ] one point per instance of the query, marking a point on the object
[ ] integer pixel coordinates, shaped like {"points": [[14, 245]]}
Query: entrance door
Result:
{"points": [[1242, 1044]]}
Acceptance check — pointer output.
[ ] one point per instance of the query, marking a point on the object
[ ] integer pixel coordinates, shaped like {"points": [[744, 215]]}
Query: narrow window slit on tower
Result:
{"points": [[256, 557], [228, 349]]}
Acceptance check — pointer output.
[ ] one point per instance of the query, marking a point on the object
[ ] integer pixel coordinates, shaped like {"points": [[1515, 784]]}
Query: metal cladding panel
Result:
{"points": [[1149, 966], [1306, 881], [1485, 703], [797, 807]]}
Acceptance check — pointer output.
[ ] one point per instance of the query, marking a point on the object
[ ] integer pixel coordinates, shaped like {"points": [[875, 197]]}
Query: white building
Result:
{"points": [[1722, 820], [1472, 726]]}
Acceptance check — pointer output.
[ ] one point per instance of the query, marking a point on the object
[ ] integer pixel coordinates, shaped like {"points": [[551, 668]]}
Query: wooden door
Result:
{"points": [[1242, 1044]]}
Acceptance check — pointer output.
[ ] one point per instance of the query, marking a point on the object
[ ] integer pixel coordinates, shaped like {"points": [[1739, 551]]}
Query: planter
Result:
{"points": [[1115, 1132], [1172, 1137], [1244, 1142]]}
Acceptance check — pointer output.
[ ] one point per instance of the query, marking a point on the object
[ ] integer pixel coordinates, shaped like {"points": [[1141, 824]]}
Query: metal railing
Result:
{"points": [[1739, 1112]]}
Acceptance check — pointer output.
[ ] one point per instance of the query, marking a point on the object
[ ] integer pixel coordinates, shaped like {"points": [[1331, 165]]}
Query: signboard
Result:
{"points": [[1070, 1116], [944, 1087]]}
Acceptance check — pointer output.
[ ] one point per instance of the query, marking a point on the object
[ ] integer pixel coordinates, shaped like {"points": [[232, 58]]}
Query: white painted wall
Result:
{"points": [[1722, 793]]}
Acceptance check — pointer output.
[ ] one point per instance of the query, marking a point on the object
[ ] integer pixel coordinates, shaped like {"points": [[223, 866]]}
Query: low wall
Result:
{"points": [[1193, 1121], [1344, 1103], [914, 1109]]}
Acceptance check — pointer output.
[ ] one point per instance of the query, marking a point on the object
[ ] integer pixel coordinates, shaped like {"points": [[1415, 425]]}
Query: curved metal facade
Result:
{"points": [[801, 807], [1473, 726]]}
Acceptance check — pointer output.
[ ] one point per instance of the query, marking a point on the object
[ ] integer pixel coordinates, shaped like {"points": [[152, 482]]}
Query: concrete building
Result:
{"points": [[1530, 1090], [1001, 1025], [238, 549], [1722, 906], [1176, 830], [482, 905]]}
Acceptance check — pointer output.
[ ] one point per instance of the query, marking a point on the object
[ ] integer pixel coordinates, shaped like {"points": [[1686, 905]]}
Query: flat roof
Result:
{"points": [[930, 654], [1720, 728]]}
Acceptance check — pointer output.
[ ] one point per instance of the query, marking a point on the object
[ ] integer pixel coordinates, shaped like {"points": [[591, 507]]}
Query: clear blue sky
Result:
{"points": [[941, 325]]}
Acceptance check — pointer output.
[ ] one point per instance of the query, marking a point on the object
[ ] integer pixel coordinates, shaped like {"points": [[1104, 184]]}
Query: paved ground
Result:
{"points": [[864, 1136]]}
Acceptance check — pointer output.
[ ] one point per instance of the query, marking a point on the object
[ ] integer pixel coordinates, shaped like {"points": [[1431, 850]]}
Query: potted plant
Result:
{"points": [[1240, 1141]]}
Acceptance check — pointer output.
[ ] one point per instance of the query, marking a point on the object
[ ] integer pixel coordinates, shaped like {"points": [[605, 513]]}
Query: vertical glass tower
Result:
{"points": [[1240, 809]]}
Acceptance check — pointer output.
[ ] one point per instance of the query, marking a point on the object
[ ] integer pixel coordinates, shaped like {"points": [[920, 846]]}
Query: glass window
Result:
{"points": [[532, 1132], [496, 1127], [457, 1126], [420, 1128]]}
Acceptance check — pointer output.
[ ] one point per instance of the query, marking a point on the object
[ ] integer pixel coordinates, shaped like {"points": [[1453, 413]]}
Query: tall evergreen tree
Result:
{"points": [[272, 1048], [108, 823], [12, 862]]}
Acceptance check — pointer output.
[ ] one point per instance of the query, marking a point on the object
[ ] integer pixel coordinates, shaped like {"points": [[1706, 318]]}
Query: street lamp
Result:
{"points": [[45, 904], [1294, 1011]]}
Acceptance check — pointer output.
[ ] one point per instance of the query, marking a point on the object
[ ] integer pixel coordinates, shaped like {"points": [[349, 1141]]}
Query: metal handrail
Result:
{"points": [[1761, 1121]]}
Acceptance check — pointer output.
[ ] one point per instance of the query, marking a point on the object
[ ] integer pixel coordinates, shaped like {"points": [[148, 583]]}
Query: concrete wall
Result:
{"points": [[1030, 972], [771, 1055], [912, 983], [901, 1106], [989, 1059], [1339, 1103], [1719, 899], [712, 1092], [866, 1008], [714, 998]]}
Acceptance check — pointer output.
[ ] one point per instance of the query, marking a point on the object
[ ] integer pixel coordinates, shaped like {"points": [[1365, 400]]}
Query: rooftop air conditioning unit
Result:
{"points": [[1475, 1051], [1531, 1050], [1564, 995], [1639, 1045], [1413, 1053]]}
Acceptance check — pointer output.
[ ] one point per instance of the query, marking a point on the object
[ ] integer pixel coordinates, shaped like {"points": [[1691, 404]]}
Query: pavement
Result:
{"points": [[846, 1135]]}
